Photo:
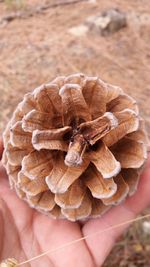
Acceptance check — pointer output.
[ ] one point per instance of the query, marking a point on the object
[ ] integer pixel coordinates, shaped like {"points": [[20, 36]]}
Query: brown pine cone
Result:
{"points": [[75, 147]]}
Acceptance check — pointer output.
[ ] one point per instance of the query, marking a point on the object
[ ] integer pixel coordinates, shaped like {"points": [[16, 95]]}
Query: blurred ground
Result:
{"points": [[37, 43]]}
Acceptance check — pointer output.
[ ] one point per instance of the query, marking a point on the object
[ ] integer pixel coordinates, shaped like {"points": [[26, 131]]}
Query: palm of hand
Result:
{"points": [[27, 233]]}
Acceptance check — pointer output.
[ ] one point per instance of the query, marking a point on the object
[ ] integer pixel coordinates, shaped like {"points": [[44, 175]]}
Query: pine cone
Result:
{"points": [[75, 147]]}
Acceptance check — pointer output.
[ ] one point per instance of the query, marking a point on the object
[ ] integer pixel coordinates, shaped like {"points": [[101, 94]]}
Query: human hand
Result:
{"points": [[25, 233]]}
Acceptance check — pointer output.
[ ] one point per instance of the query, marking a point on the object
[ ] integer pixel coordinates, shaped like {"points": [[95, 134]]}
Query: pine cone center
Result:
{"points": [[86, 135]]}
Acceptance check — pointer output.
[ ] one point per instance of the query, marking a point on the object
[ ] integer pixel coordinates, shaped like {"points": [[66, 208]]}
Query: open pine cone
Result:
{"points": [[75, 147]]}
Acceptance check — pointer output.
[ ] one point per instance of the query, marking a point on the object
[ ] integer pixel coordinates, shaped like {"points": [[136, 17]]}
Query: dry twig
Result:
{"points": [[38, 10]]}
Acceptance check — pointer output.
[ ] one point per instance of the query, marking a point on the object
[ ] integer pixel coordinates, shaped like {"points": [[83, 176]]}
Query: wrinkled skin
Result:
{"points": [[25, 233]]}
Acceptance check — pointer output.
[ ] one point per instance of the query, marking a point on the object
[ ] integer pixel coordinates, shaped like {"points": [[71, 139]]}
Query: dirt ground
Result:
{"points": [[37, 43]]}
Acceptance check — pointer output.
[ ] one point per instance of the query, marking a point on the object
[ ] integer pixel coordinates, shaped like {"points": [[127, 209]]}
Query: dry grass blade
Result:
{"points": [[84, 238]]}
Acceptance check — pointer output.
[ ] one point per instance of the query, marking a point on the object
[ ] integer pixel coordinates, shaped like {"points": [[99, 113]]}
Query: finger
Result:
{"points": [[100, 245], [1, 147]]}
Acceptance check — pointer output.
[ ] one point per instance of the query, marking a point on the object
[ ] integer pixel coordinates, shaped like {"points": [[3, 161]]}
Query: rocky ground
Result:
{"points": [[42, 39]]}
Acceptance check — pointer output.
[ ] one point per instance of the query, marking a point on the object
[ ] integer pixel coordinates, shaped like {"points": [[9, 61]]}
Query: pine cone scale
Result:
{"points": [[99, 187], [46, 201], [50, 139], [19, 138], [73, 105], [121, 193], [15, 154], [98, 208], [37, 164], [127, 122], [121, 103], [36, 186], [130, 153], [105, 162], [80, 213], [95, 96], [131, 177], [73, 197], [62, 176]]}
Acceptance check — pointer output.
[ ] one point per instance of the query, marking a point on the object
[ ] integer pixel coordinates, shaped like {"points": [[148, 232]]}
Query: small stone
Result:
{"points": [[79, 30], [146, 227], [108, 22], [92, 1]]}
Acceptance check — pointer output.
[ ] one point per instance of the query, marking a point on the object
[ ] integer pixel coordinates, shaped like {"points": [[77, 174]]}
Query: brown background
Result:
{"points": [[35, 49]]}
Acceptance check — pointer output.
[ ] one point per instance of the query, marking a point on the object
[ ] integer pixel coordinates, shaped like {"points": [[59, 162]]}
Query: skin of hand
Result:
{"points": [[25, 233]]}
